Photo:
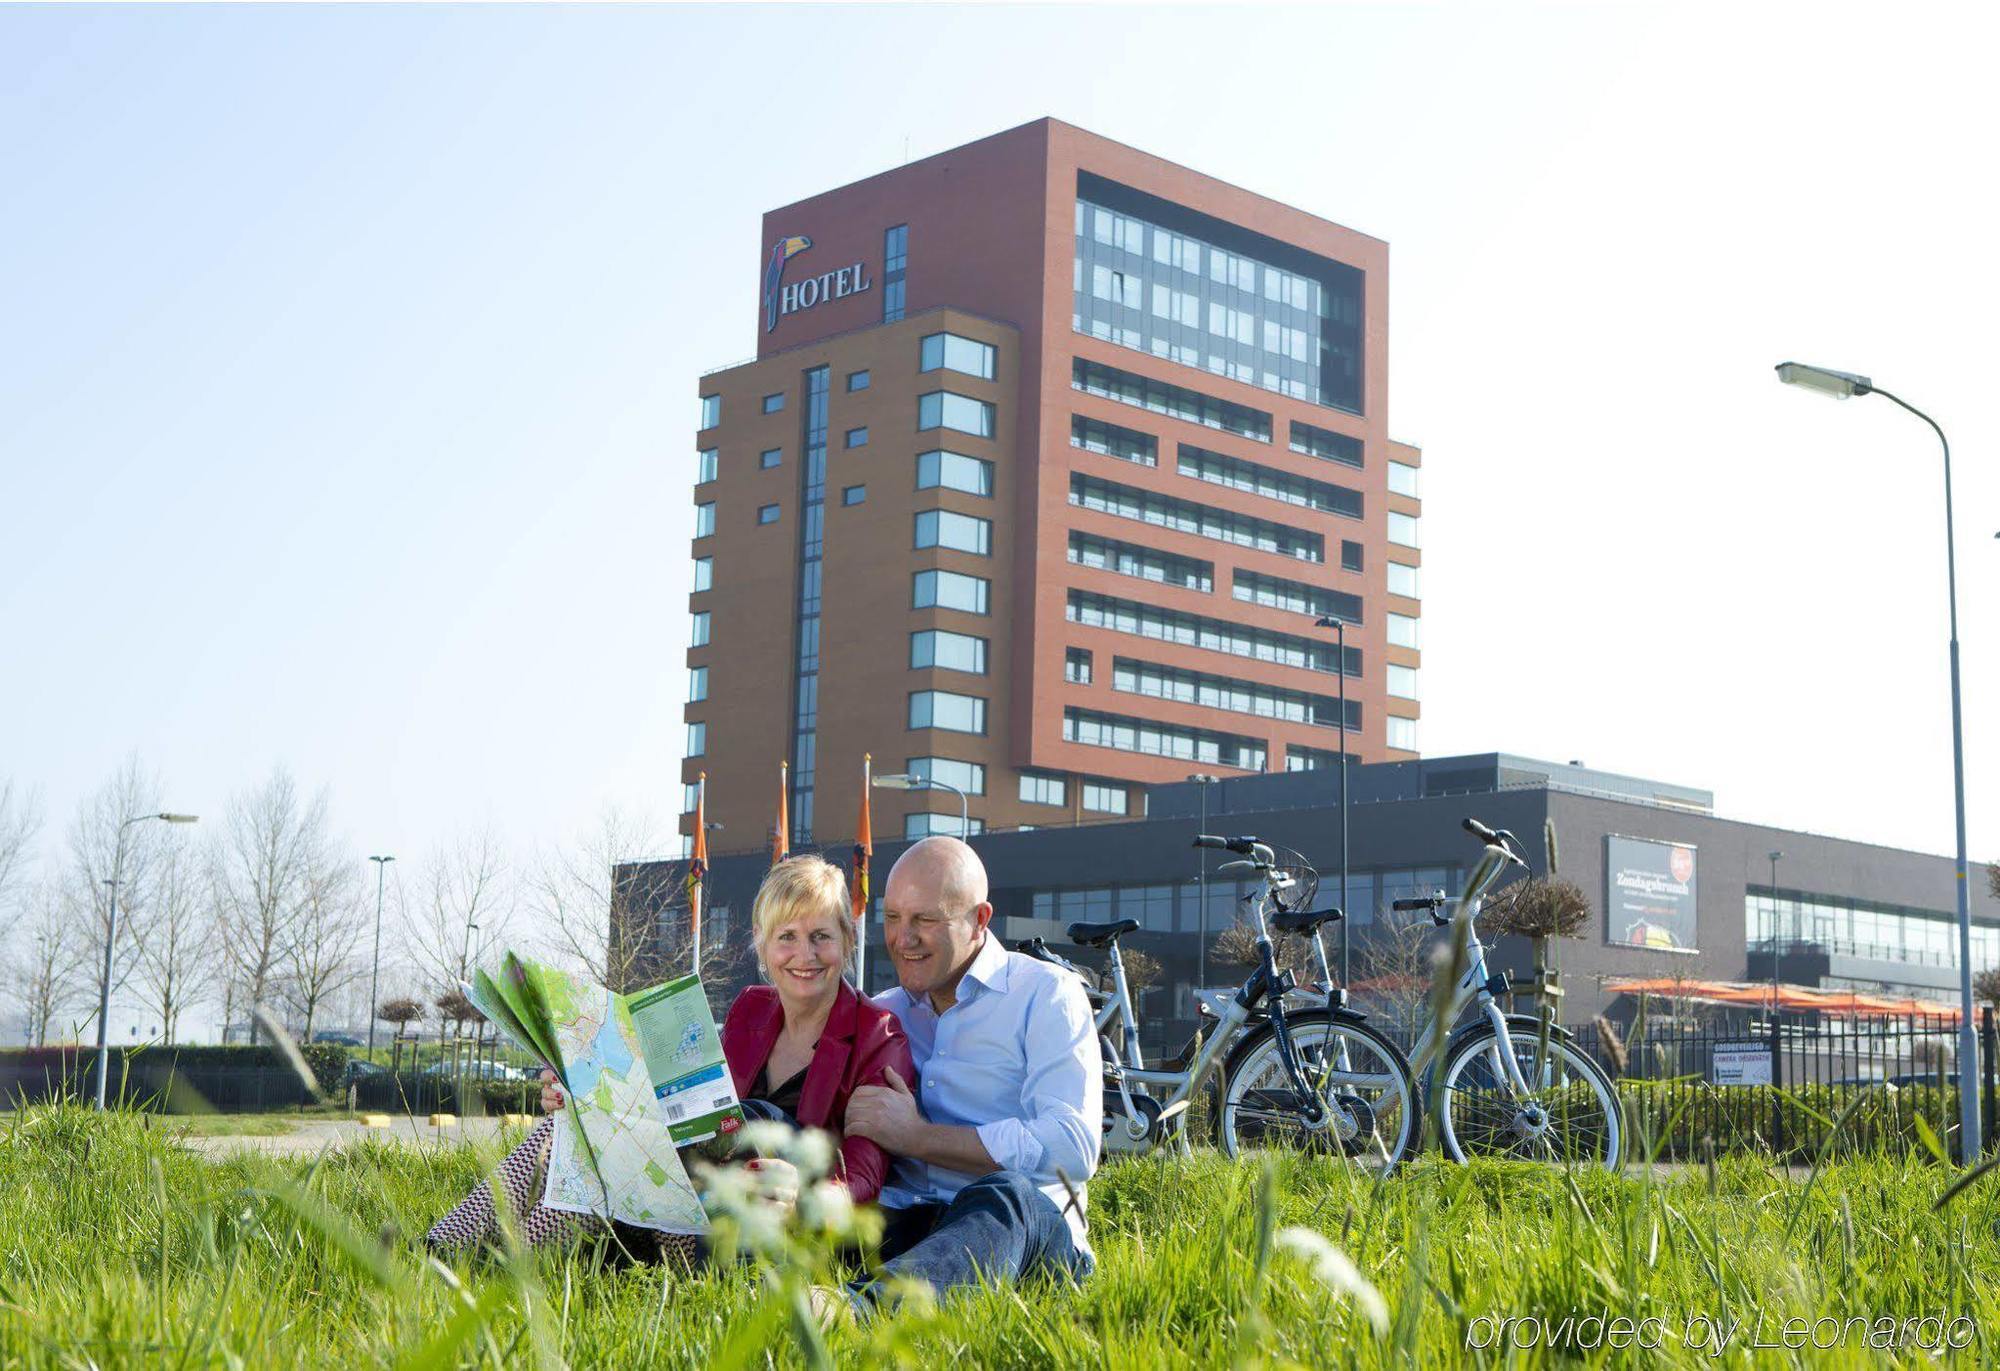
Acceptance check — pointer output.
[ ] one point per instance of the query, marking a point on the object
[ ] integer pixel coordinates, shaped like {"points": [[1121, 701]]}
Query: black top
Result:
{"points": [[785, 1096]]}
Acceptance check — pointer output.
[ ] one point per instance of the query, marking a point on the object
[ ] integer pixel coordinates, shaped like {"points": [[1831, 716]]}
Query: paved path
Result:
{"points": [[311, 1136]]}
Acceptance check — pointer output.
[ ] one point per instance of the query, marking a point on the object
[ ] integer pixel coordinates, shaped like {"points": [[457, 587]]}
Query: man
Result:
{"points": [[988, 1181]]}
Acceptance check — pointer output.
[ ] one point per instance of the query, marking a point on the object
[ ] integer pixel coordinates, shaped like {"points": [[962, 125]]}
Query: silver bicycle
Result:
{"points": [[1311, 1074]]}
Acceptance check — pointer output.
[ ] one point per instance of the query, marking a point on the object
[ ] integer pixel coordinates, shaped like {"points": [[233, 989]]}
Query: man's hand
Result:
{"points": [[886, 1114], [552, 1096]]}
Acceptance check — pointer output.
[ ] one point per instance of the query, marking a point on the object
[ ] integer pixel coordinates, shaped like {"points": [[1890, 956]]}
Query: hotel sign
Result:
{"points": [[782, 297], [1649, 896]]}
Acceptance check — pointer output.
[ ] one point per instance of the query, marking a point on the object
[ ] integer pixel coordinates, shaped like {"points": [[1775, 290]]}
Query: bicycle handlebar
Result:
{"points": [[1245, 846], [1426, 902], [1481, 832]]}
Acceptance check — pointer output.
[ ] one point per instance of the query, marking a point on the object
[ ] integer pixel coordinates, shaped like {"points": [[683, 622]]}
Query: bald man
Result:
{"points": [[995, 1138]]}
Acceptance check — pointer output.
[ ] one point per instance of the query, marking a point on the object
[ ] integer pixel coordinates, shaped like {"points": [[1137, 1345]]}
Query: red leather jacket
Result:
{"points": [[859, 1041]]}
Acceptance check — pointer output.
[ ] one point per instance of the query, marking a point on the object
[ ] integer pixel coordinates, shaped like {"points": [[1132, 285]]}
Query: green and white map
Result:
{"points": [[643, 1073]]}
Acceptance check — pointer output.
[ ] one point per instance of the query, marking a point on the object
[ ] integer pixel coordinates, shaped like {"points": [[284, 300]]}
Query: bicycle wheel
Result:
{"points": [[1371, 1109], [1569, 1115]]}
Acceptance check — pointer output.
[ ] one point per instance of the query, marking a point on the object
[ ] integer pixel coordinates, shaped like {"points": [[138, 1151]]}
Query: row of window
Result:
{"points": [[1094, 435], [1228, 693], [1237, 474], [1185, 516], [1215, 635], [1129, 559], [1178, 908], [1278, 593], [1325, 444], [1092, 729], [935, 351], [1177, 402], [1858, 928]]}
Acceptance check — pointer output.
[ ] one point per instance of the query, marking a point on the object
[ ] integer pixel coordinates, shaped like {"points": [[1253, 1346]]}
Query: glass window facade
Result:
{"points": [[957, 532], [1272, 484], [857, 437], [1403, 631], [1092, 729], [929, 825], [812, 553], [1350, 556], [1327, 445], [1153, 276], [857, 380], [953, 353], [1314, 758], [949, 590], [954, 471], [706, 466], [969, 777], [1403, 530], [774, 402], [1402, 733], [1216, 635], [1112, 799], [1177, 402], [711, 410], [1037, 789], [1205, 521], [770, 457], [1077, 666], [1300, 598], [960, 413], [936, 647], [697, 741], [1860, 928], [895, 266], [1094, 435], [697, 684], [1403, 580], [1223, 692], [944, 709], [767, 514], [1129, 559], [699, 636], [853, 495], [1402, 479], [704, 573], [704, 520], [1403, 682]]}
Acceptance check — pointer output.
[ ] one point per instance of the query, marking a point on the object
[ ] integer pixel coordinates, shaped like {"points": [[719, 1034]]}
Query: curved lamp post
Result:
{"points": [[1840, 385], [111, 942], [904, 780]]}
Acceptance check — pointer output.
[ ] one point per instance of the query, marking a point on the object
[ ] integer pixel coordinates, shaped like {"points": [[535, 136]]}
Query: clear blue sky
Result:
{"points": [[348, 359]]}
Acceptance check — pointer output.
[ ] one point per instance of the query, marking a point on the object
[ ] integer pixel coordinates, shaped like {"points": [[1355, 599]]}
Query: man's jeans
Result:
{"points": [[998, 1229]]}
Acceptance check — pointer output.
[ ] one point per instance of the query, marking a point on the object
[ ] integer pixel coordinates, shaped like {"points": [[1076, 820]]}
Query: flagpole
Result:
{"points": [[864, 851], [781, 836], [699, 873]]}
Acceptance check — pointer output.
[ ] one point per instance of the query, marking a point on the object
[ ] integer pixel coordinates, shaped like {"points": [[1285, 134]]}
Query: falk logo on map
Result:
{"points": [[781, 298]]}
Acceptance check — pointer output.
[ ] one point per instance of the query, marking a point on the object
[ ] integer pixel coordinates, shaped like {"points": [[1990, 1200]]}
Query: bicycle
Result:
{"points": [[1483, 1096], [1316, 1077]]}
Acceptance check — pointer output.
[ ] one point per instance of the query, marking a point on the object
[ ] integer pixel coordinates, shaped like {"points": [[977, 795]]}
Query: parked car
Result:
{"points": [[338, 1039], [358, 1069]]}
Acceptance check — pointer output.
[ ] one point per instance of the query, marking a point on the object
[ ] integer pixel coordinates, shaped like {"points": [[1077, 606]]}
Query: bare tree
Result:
{"points": [[1394, 964], [20, 822], [175, 943], [607, 910], [263, 862], [323, 951], [103, 841], [459, 916], [50, 970]]}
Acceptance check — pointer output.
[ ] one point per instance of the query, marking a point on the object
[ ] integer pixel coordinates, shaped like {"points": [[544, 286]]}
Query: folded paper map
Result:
{"points": [[643, 1074]]}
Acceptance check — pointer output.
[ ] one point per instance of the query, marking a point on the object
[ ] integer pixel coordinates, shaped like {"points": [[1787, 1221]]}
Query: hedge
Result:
{"points": [[151, 1065]]}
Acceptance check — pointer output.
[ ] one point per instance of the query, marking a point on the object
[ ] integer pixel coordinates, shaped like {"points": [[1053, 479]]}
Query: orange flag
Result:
{"points": [[864, 849], [698, 867], [781, 836]]}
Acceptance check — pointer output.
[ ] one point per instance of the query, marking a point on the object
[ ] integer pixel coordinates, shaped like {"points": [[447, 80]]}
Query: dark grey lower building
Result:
{"points": [[1677, 892]]}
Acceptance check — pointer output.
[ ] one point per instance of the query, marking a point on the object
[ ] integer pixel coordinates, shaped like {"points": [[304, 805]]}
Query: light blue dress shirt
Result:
{"points": [[1016, 1058]]}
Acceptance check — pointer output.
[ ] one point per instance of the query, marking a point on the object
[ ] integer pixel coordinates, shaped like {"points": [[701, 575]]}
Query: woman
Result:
{"points": [[797, 1048]]}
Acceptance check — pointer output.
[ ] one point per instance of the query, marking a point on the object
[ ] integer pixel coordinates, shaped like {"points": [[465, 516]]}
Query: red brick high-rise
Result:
{"points": [[1052, 454]]}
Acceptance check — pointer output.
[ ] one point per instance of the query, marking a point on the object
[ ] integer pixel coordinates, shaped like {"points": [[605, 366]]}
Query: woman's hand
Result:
{"points": [[777, 1181], [552, 1095]]}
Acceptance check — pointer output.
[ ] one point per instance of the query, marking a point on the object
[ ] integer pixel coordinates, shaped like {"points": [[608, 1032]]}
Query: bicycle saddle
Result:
{"points": [[1097, 935], [1303, 921]]}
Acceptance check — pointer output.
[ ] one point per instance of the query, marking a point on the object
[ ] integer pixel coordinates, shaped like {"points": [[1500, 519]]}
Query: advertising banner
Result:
{"points": [[1649, 898]]}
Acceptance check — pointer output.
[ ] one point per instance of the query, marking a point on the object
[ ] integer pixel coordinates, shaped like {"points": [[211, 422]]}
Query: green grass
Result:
{"points": [[122, 1248]]}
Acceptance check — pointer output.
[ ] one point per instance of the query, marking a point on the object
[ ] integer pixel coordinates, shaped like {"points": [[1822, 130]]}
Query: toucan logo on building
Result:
{"points": [[781, 299]]}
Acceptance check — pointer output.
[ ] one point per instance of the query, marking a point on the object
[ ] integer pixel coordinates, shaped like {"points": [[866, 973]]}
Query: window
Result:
{"points": [[944, 710], [1094, 378], [954, 471], [1402, 479], [857, 380], [1076, 666], [711, 410], [774, 402], [1314, 759], [767, 514], [895, 261], [958, 532], [969, 777], [857, 437], [704, 573], [1403, 682], [960, 413], [1129, 559], [697, 739], [853, 495], [1105, 799], [1326, 444], [1161, 740], [704, 519], [1403, 580], [1129, 445], [1296, 596], [1037, 789], [697, 684], [690, 796], [705, 466], [1151, 905], [1350, 555], [892, 301], [953, 353], [770, 457], [1269, 482], [1214, 635], [928, 825], [1403, 530], [1224, 692], [1403, 631], [1403, 733], [949, 590], [1206, 521], [699, 637], [936, 647]]}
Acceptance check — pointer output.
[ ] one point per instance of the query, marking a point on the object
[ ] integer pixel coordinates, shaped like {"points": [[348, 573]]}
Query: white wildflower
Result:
{"points": [[811, 1151], [1332, 1267], [765, 1137]]}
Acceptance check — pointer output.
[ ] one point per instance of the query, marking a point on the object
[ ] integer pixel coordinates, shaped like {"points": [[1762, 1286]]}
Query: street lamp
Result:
{"points": [[904, 780], [1775, 855], [1840, 385], [1203, 781], [375, 976], [1339, 627], [111, 941]]}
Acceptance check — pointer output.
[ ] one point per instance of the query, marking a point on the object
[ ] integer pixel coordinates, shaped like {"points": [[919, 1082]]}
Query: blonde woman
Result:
{"points": [[798, 1048]]}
